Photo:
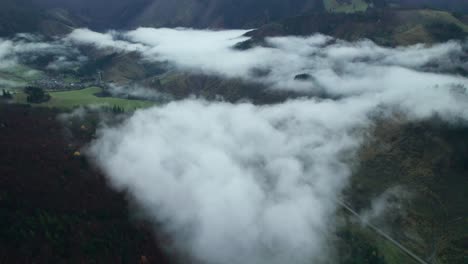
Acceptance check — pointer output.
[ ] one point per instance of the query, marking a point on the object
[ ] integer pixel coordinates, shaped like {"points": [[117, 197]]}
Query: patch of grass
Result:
{"points": [[428, 26], [353, 6], [425, 17], [413, 35], [76, 98], [442, 16]]}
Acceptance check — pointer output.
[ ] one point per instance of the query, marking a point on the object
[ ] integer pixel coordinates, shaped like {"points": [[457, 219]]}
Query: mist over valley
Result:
{"points": [[225, 132]]}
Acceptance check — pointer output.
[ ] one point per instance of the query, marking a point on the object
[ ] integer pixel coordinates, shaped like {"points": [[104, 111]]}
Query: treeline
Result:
{"points": [[36, 95], [7, 94]]}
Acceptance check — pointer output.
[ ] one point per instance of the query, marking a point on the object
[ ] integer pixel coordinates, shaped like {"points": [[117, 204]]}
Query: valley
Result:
{"points": [[125, 138]]}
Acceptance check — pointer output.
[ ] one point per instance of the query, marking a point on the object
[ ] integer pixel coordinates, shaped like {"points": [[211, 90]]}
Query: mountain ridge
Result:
{"points": [[126, 14]]}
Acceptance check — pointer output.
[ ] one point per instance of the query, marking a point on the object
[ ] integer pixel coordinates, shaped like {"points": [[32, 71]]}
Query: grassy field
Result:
{"points": [[335, 6], [76, 98], [419, 25]]}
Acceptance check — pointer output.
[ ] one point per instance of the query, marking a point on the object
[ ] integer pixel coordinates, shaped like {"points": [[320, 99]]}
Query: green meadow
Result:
{"points": [[85, 97]]}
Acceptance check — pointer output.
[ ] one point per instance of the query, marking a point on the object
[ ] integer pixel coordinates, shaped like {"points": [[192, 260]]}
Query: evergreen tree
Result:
{"points": [[6, 94]]}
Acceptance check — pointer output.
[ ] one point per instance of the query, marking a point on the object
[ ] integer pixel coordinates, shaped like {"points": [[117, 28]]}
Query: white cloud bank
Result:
{"points": [[236, 183], [134, 91], [337, 67], [240, 183]]}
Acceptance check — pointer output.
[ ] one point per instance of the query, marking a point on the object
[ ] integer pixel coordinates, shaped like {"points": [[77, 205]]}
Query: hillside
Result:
{"points": [[48, 15], [23, 16], [451, 5], [428, 160], [17, 16], [225, 14], [389, 27], [188, 13], [104, 14]]}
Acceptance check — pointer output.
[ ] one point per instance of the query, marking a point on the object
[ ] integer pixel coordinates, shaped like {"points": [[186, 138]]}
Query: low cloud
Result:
{"points": [[33, 50], [236, 183], [386, 207], [134, 91], [333, 66], [6, 60], [109, 40], [10, 84], [61, 62], [240, 183]]}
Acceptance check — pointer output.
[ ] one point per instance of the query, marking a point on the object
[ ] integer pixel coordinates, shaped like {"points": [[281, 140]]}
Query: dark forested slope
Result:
{"points": [[390, 27]]}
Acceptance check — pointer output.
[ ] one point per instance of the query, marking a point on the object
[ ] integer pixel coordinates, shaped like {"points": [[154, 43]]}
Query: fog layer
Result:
{"points": [[240, 183]]}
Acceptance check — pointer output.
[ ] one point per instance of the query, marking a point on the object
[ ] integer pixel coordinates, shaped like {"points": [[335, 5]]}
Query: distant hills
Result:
{"points": [[388, 22], [389, 27], [17, 16], [188, 13], [104, 14]]}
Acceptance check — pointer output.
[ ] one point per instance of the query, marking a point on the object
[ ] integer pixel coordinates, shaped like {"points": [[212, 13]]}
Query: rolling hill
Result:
{"points": [[389, 27], [24, 16], [189, 13], [56, 16]]}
